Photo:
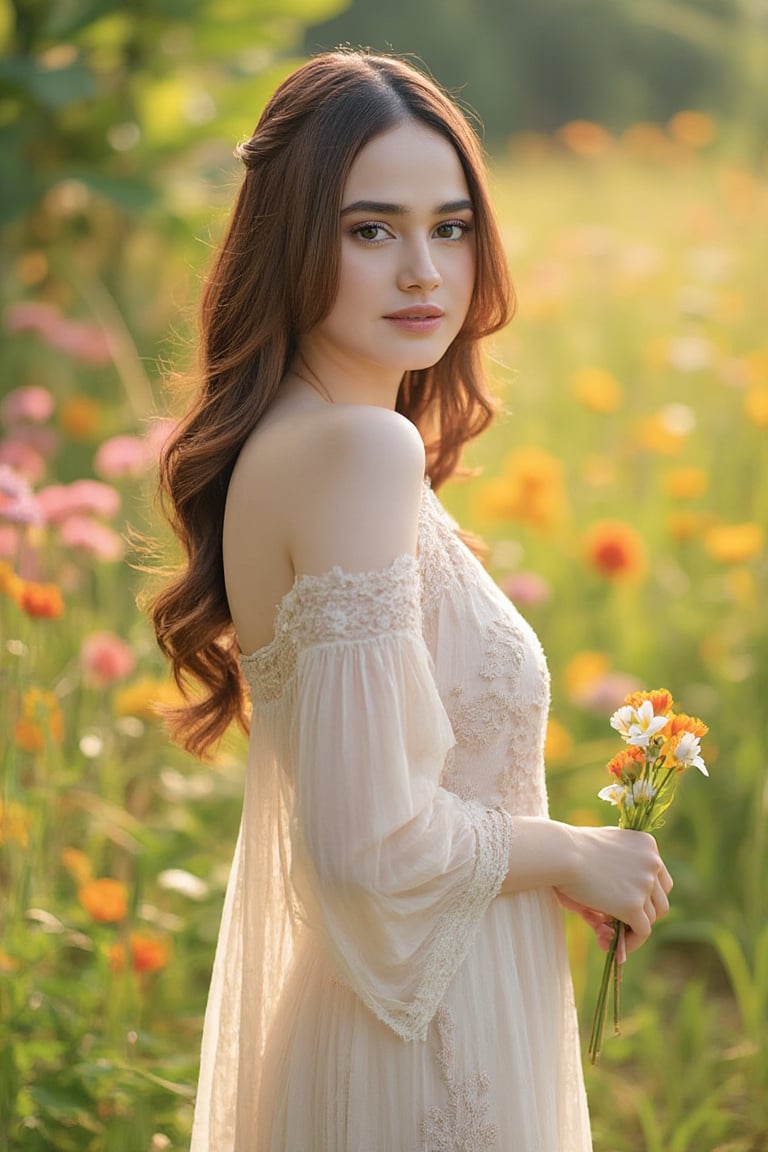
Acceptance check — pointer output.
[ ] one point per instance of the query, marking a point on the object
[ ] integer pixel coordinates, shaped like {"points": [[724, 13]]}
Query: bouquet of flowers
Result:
{"points": [[660, 745]]}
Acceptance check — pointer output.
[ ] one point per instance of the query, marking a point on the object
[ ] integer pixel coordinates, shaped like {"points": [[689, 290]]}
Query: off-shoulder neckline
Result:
{"points": [[334, 576]]}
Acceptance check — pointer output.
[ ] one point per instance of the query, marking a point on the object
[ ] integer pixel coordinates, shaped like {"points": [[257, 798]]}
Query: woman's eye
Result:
{"points": [[451, 230], [370, 232]]}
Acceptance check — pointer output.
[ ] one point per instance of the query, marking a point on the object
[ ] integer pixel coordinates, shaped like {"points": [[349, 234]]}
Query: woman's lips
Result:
{"points": [[422, 318]]}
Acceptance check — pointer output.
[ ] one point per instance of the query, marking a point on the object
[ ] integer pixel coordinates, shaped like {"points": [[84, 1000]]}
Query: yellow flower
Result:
{"points": [[11, 584], [734, 543], [693, 129], [77, 864], [685, 483], [15, 822], [597, 390], [41, 720], [615, 550], [105, 900], [583, 670], [654, 434], [559, 742], [530, 490], [142, 697], [756, 404]]}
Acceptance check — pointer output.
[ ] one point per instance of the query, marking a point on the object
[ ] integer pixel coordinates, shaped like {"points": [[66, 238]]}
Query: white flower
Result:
{"points": [[614, 794], [622, 720], [688, 753], [643, 790], [179, 880], [638, 726]]}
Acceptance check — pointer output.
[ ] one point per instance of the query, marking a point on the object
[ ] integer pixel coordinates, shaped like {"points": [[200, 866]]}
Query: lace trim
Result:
{"points": [[335, 606], [493, 829], [462, 1125]]}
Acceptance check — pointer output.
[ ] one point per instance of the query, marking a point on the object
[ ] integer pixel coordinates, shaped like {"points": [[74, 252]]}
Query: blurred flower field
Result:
{"points": [[623, 495]]}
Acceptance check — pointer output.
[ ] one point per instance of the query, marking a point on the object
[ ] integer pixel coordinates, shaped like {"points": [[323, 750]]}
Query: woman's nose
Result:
{"points": [[418, 270]]}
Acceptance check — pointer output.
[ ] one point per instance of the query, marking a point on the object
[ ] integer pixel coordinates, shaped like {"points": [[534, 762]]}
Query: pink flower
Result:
{"points": [[82, 341], [92, 536], [82, 497], [122, 456], [526, 588], [25, 460], [106, 658], [30, 316], [31, 403]]}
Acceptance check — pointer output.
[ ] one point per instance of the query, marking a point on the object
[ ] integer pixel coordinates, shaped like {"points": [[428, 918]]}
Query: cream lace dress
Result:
{"points": [[371, 990]]}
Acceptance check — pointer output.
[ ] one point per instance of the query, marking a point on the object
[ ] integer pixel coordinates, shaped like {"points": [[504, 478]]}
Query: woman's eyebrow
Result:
{"points": [[382, 208]]}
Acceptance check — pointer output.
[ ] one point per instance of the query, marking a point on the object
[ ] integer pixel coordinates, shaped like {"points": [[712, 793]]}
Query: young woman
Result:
{"points": [[391, 973]]}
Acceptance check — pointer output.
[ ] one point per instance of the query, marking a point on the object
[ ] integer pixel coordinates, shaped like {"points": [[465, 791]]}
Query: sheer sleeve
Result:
{"points": [[392, 868]]}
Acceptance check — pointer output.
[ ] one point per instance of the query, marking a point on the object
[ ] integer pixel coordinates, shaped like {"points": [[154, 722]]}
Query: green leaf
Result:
{"points": [[53, 88]]}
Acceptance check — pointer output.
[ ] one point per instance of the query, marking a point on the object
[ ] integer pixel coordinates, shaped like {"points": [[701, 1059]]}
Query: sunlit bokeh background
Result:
{"points": [[623, 495]]}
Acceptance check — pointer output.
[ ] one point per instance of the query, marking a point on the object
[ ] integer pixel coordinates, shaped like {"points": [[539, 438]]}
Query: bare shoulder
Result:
{"points": [[368, 444], [317, 487], [358, 490]]}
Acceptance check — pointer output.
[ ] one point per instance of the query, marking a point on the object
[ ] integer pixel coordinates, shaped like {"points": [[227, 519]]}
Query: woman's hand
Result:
{"points": [[618, 875], [600, 924], [607, 873]]}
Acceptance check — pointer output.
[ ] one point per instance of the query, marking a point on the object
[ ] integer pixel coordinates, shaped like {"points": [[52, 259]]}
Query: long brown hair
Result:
{"points": [[274, 278]]}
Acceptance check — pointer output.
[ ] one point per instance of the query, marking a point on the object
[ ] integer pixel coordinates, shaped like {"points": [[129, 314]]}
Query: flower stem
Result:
{"points": [[598, 1020]]}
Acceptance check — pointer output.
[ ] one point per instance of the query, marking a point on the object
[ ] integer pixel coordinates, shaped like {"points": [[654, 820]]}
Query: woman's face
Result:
{"points": [[407, 267]]}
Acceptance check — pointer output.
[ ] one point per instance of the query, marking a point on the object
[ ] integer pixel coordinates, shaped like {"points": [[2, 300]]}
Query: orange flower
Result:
{"points": [[734, 543], [41, 720], [41, 601], [660, 698], [104, 899], [628, 764], [148, 954], [597, 390], [585, 138], [615, 550], [683, 723], [694, 129]]}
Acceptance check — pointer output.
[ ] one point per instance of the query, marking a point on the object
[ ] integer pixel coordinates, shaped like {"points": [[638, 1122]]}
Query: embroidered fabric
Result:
{"points": [[397, 729], [334, 606], [462, 1125]]}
